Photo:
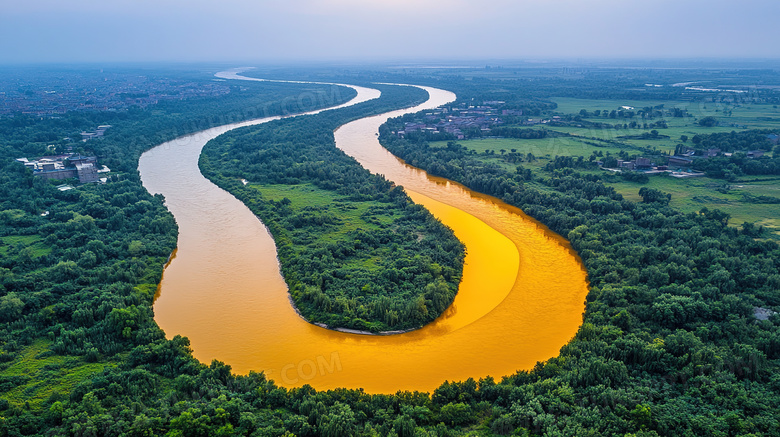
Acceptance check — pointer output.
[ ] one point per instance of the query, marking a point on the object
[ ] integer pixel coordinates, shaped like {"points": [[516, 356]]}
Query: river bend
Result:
{"points": [[521, 298]]}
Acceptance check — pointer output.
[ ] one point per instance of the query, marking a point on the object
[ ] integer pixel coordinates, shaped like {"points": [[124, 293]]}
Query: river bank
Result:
{"points": [[521, 297]]}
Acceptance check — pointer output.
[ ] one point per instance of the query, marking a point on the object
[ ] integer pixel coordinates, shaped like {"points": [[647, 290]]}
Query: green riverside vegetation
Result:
{"points": [[681, 334], [354, 249], [671, 316]]}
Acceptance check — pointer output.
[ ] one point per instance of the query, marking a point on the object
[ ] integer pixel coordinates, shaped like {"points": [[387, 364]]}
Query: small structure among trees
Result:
{"points": [[83, 168]]}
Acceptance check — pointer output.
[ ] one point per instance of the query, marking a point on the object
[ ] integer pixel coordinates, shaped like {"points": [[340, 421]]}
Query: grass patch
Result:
{"points": [[693, 194], [36, 374], [552, 146], [754, 116], [731, 116], [33, 242], [349, 214]]}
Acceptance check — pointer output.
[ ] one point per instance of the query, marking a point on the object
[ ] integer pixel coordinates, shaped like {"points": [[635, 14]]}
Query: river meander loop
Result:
{"points": [[521, 298]]}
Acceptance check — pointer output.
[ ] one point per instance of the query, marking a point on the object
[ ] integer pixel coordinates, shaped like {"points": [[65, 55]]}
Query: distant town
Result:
{"points": [[458, 120], [53, 95]]}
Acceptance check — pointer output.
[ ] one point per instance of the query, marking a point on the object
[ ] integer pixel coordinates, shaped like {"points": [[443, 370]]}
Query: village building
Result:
{"points": [[87, 173], [643, 163], [680, 161], [628, 165], [60, 167], [97, 133]]}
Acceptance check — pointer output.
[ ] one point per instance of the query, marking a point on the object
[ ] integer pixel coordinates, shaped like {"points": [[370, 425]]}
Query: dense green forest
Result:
{"points": [[670, 343], [363, 256]]}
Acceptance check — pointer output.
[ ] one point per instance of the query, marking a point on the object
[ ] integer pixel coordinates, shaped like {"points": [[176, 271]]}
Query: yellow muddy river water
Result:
{"points": [[521, 298]]}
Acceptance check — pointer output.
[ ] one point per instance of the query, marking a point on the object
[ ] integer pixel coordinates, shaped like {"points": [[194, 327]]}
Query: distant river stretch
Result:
{"points": [[521, 298]]}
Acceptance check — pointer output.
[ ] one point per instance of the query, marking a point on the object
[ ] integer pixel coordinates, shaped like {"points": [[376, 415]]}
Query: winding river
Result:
{"points": [[521, 298]]}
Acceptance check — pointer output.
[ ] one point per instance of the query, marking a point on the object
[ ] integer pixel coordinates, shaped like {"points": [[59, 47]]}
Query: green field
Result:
{"points": [[753, 115], [32, 243], [552, 146], [345, 216], [690, 194], [301, 195], [349, 214], [37, 374], [693, 194], [749, 115], [744, 116], [665, 145]]}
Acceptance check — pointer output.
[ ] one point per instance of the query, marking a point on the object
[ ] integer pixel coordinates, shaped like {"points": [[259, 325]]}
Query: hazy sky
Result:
{"points": [[414, 30]]}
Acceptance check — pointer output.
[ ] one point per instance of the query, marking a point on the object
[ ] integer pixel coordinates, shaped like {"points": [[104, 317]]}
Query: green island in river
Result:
{"points": [[355, 251]]}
